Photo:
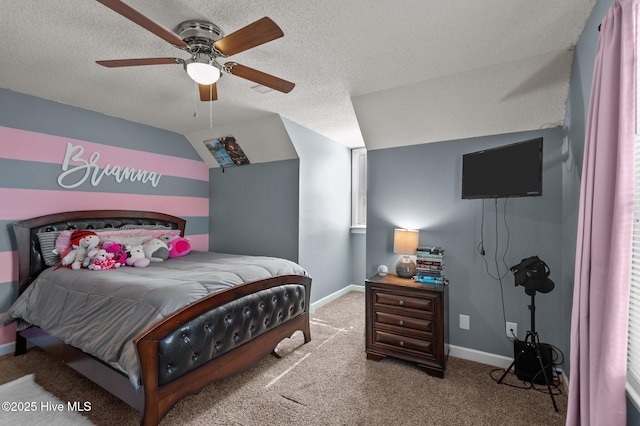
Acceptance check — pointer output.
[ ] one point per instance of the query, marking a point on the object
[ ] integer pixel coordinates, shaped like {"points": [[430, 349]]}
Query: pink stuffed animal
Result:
{"points": [[119, 254], [178, 246]]}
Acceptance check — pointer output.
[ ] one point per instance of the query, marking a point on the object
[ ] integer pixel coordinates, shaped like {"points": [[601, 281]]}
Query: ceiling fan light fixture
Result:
{"points": [[202, 70]]}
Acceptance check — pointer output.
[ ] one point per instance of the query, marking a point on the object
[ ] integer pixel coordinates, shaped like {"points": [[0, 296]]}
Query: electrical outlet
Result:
{"points": [[512, 326], [464, 322]]}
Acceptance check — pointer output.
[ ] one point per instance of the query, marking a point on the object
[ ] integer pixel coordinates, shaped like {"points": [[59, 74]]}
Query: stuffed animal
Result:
{"points": [[81, 242], [155, 250], [178, 246], [101, 260], [135, 256], [119, 254]]}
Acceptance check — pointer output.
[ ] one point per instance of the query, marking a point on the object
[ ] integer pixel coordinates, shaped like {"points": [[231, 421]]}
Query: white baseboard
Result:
{"points": [[479, 356], [491, 359], [337, 294], [7, 348]]}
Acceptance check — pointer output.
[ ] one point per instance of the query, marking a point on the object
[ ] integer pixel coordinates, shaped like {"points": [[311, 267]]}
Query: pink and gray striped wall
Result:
{"points": [[55, 158]]}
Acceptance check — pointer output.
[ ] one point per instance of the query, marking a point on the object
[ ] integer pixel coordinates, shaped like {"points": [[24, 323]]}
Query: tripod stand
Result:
{"points": [[532, 341]]}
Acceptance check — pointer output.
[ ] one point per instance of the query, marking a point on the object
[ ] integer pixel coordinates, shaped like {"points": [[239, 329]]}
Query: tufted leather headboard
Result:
{"points": [[30, 261]]}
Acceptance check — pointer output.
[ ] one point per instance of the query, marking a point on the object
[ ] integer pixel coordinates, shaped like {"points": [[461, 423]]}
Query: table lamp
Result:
{"points": [[405, 242]]}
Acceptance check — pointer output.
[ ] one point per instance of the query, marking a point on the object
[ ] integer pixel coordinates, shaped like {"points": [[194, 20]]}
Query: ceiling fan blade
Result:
{"points": [[208, 93], [255, 34], [136, 62], [259, 77], [146, 23]]}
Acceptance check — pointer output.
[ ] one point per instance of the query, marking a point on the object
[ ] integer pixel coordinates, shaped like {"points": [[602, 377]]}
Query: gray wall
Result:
{"points": [[359, 263], [325, 209], [254, 209], [295, 209], [419, 187]]}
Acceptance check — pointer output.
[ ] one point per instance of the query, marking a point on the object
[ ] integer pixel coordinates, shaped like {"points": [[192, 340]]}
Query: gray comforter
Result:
{"points": [[101, 312]]}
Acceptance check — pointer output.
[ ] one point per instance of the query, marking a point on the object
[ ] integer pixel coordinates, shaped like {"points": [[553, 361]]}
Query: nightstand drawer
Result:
{"points": [[424, 346], [403, 321], [391, 299]]}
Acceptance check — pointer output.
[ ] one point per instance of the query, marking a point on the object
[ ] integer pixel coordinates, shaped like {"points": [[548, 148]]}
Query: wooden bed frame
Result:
{"points": [[151, 399]]}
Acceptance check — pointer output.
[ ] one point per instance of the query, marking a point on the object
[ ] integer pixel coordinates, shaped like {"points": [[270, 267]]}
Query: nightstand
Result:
{"points": [[407, 320]]}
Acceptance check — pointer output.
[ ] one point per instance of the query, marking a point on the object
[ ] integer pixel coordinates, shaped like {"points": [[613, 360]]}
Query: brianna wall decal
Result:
{"points": [[77, 170]]}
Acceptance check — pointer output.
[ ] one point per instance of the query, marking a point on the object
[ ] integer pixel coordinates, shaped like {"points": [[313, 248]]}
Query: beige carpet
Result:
{"points": [[325, 382], [26, 403]]}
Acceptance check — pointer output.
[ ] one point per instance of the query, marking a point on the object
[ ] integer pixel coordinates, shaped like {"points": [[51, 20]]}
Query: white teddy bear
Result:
{"points": [[81, 242]]}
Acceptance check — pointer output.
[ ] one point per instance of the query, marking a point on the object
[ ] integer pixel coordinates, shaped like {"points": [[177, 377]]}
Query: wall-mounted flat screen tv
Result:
{"points": [[507, 171]]}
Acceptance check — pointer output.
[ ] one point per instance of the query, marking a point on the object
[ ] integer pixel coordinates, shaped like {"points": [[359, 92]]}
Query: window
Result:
{"points": [[358, 188], [633, 343]]}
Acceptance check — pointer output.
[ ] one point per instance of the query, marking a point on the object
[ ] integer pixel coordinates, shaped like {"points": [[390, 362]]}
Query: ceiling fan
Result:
{"points": [[206, 43]]}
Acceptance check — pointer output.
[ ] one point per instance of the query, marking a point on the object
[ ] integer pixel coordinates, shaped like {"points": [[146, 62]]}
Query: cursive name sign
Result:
{"points": [[76, 170]]}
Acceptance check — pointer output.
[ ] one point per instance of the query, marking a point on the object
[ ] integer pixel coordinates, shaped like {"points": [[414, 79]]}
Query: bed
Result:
{"points": [[209, 338]]}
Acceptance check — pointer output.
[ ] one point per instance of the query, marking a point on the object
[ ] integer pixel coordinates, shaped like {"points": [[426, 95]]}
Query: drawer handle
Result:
{"points": [[401, 343], [401, 302], [401, 322]]}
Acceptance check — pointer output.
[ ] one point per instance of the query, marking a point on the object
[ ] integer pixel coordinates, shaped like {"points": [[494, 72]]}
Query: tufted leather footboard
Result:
{"points": [[226, 327], [220, 335]]}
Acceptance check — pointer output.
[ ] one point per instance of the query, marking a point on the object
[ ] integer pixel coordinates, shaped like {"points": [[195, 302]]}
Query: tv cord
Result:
{"points": [[480, 246]]}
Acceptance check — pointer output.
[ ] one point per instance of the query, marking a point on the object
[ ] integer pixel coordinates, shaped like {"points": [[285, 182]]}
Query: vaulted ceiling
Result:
{"points": [[334, 50]]}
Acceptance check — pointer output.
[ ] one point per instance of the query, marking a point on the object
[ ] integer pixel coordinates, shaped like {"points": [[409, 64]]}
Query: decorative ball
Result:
{"points": [[382, 270]]}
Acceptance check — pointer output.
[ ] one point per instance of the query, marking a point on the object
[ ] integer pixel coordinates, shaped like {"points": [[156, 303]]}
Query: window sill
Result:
{"points": [[358, 229]]}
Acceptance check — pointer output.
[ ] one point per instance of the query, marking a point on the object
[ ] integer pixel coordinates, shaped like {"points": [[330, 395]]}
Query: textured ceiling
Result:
{"points": [[333, 50]]}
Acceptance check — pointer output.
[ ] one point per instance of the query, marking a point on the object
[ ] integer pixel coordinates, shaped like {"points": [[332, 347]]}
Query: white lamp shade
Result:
{"points": [[203, 73], [405, 241]]}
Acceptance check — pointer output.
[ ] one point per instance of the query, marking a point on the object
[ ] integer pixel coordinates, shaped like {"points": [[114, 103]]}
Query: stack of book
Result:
{"points": [[429, 265]]}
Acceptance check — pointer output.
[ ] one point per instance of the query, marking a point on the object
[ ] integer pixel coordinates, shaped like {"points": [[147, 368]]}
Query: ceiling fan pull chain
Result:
{"points": [[195, 100], [211, 107]]}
